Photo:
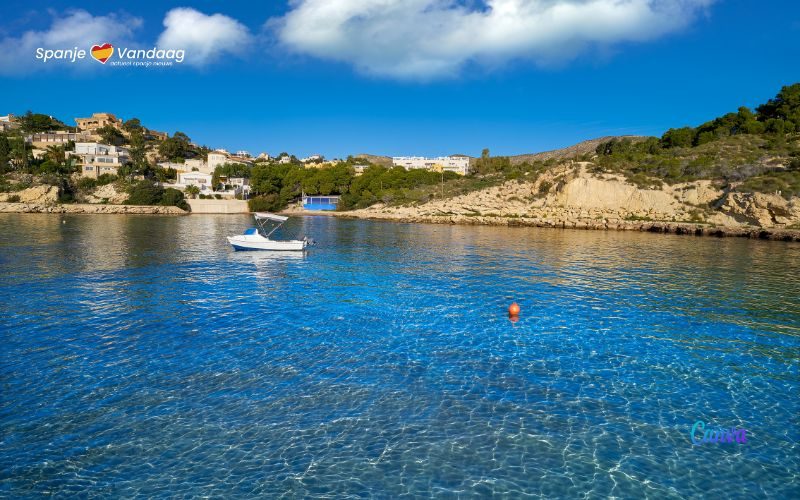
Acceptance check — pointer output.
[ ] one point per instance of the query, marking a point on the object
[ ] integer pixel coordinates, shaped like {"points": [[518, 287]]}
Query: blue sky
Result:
{"points": [[410, 79]]}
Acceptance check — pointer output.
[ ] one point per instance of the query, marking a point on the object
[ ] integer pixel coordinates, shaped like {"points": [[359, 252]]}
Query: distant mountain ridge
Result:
{"points": [[385, 161], [581, 148]]}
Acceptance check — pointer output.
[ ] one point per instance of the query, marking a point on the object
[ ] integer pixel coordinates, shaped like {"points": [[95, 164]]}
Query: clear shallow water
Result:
{"points": [[140, 356]]}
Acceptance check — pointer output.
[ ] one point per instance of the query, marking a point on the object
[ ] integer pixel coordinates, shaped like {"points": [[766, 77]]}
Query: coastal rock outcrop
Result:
{"points": [[38, 194], [765, 210], [107, 194], [591, 193]]}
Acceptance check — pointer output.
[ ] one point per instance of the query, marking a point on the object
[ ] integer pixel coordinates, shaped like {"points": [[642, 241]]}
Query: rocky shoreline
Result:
{"points": [[678, 228], [39, 208]]}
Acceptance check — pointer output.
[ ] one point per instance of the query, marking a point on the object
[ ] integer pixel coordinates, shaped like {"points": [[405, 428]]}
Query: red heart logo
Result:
{"points": [[102, 52]]}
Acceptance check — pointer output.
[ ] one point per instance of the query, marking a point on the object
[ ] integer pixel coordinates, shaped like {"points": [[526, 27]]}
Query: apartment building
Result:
{"points": [[457, 164], [97, 159]]}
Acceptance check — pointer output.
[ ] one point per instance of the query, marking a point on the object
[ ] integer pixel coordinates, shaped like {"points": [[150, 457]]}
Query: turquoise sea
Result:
{"points": [[141, 357]]}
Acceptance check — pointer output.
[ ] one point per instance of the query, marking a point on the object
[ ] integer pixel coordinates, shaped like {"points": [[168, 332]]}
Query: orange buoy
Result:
{"points": [[513, 309]]}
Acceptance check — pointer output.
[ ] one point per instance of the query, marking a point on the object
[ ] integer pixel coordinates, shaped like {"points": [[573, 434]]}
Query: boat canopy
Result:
{"points": [[273, 217]]}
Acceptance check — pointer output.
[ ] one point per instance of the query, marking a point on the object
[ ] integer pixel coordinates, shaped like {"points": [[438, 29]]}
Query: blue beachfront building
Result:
{"points": [[320, 202]]}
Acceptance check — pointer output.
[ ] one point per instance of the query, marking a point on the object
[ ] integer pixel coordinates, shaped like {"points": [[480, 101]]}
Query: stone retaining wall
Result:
{"points": [[218, 206]]}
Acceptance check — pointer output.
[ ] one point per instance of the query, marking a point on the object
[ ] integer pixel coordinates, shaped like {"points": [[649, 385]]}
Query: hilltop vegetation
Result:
{"points": [[746, 151]]}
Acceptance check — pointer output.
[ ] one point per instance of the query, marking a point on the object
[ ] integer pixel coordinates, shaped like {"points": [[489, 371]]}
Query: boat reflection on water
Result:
{"points": [[268, 265], [270, 258]]}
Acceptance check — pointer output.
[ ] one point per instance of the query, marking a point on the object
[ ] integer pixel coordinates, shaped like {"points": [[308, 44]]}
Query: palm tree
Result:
{"points": [[20, 155], [56, 154], [192, 191]]}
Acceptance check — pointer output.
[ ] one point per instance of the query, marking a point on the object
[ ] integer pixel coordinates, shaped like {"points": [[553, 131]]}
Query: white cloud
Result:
{"points": [[436, 38], [205, 38], [77, 28]]}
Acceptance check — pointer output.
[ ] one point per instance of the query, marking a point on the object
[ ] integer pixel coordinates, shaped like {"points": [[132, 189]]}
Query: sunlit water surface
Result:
{"points": [[140, 356]]}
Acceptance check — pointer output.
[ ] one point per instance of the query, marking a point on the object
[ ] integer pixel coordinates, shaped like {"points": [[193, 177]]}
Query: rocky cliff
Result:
{"points": [[571, 196]]}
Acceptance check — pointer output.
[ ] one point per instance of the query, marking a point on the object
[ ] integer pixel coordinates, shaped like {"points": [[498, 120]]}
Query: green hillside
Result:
{"points": [[751, 151]]}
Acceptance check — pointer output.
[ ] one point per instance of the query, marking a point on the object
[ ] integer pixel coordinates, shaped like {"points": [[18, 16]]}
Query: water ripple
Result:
{"points": [[141, 357]]}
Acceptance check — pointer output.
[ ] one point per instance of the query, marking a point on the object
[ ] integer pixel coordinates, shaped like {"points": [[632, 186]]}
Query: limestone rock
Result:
{"points": [[696, 193], [107, 194], [594, 193], [38, 194], [765, 210]]}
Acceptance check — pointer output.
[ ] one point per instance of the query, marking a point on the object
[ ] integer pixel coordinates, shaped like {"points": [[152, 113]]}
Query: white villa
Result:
{"points": [[315, 157], [189, 165], [98, 159], [203, 180], [221, 157], [199, 179], [457, 164]]}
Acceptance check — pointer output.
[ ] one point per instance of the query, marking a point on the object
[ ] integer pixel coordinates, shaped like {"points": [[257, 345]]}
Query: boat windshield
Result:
{"points": [[267, 226]]}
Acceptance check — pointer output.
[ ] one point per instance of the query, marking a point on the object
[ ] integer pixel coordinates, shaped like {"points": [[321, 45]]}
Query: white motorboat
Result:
{"points": [[258, 238]]}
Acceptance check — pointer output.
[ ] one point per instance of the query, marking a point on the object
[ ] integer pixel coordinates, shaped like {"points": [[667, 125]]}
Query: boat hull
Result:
{"points": [[249, 243]]}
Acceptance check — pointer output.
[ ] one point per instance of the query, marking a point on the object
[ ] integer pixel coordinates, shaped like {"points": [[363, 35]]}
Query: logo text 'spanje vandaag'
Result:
{"points": [[117, 56]]}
